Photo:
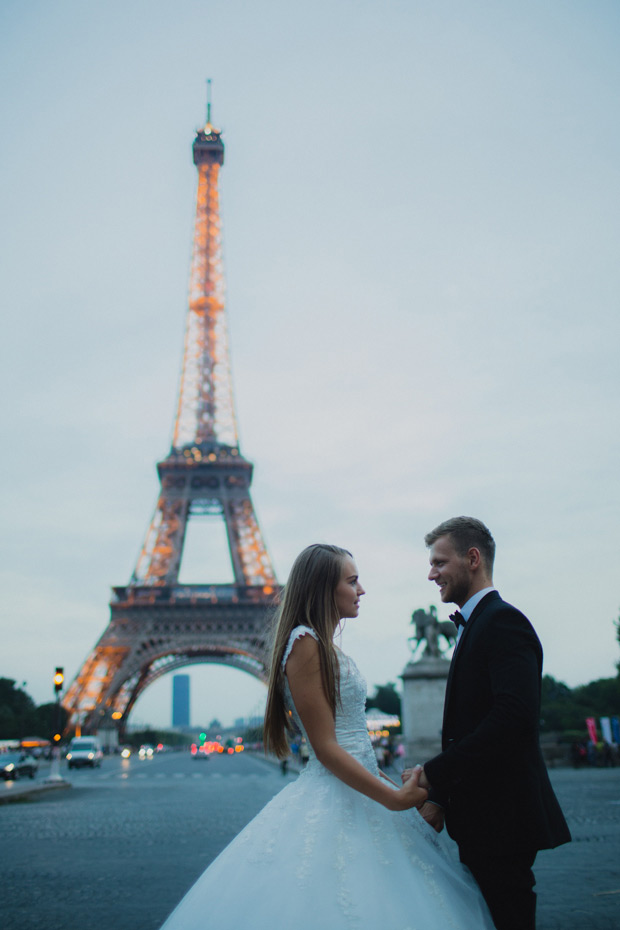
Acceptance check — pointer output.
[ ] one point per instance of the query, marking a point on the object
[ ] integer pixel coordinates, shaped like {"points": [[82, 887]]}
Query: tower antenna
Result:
{"points": [[209, 100]]}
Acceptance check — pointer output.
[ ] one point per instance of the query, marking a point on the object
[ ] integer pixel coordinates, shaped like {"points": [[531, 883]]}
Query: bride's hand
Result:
{"points": [[407, 773], [411, 795]]}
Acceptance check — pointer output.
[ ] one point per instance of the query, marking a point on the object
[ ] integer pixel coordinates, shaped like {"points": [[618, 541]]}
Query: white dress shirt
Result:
{"points": [[468, 607]]}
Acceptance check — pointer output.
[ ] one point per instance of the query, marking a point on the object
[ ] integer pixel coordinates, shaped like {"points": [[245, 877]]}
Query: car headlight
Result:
{"points": [[91, 755], [9, 767]]}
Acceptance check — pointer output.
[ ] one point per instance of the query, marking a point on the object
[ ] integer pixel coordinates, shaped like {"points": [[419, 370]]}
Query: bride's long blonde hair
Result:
{"points": [[309, 599]]}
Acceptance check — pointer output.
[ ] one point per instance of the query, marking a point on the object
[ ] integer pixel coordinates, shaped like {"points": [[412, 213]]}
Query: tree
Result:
{"points": [[152, 736], [48, 719], [8, 725], [563, 709], [17, 711], [558, 710], [253, 734], [19, 715], [386, 698], [598, 698]]}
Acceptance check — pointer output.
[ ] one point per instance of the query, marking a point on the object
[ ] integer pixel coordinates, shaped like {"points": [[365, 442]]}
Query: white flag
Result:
{"points": [[606, 729]]}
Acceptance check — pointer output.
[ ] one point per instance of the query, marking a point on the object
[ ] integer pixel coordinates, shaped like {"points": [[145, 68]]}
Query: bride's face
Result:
{"points": [[348, 590]]}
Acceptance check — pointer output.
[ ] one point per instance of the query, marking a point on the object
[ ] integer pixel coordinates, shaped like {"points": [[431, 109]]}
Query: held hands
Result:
{"points": [[412, 794], [408, 773], [432, 813]]}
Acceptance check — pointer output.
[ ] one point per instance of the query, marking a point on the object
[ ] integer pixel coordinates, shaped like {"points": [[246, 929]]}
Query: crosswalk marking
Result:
{"points": [[176, 776]]}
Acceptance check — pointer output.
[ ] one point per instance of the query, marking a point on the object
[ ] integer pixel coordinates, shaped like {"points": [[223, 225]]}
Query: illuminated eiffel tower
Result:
{"points": [[157, 623]]}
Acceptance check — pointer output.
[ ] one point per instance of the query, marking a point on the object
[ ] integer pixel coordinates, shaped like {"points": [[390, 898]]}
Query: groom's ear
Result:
{"points": [[474, 559]]}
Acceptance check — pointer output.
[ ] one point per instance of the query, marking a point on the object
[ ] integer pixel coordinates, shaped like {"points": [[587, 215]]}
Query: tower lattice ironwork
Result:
{"points": [[157, 623]]}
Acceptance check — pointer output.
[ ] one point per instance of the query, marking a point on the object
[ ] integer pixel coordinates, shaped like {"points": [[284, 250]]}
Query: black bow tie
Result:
{"points": [[458, 619]]}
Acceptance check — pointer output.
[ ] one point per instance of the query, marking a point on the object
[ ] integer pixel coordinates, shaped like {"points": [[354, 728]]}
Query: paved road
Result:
{"points": [[120, 847], [579, 884]]}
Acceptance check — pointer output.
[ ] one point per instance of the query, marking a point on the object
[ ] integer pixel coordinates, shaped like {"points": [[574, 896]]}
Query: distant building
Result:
{"points": [[242, 722], [180, 700]]}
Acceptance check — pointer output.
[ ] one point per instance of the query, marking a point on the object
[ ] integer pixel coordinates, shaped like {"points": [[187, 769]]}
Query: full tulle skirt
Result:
{"points": [[321, 855]]}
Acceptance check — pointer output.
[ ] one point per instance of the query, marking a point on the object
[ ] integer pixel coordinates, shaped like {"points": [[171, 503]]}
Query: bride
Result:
{"points": [[342, 846]]}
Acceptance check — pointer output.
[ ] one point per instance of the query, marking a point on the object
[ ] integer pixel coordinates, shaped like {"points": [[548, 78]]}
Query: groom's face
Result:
{"points": [[450, 572]]}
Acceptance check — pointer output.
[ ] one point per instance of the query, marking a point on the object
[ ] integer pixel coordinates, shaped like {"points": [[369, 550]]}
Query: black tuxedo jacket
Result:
{"points": [[490, 775]]}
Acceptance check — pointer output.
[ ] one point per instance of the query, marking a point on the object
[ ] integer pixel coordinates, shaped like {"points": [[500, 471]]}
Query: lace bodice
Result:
{"points": [[351, 730]]}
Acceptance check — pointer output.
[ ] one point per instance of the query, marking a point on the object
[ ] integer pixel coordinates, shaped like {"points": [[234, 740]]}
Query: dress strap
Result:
{"points": [[296, 634]]}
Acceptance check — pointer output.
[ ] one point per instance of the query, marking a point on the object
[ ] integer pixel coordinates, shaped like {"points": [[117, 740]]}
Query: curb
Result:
{"points": [[293, 766], [30, 792]]}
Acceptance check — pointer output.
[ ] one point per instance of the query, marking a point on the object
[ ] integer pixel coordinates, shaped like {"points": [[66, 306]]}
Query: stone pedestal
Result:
{"points": [[424, 686]]}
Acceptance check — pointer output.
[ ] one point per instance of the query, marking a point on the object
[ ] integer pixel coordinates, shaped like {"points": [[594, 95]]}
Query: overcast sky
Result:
{"points": [[421, 222]]}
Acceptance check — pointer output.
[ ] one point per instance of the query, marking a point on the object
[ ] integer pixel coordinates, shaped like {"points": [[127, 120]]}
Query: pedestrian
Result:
{"points": [[490, 778]]}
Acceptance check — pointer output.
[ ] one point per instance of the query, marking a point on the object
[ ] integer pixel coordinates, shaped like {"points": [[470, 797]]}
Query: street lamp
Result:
{"points": [[59, 679]]}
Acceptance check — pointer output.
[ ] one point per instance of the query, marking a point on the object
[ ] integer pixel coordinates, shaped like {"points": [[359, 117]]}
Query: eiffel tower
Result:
{"points": [[157, 623]]}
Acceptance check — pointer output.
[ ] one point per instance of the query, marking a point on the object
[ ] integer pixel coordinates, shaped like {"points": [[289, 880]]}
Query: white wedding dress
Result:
{"points": [[322, 856]]}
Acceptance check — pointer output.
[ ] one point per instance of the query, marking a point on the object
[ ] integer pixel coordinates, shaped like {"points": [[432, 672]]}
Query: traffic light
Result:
{"points": [[59, 678]]}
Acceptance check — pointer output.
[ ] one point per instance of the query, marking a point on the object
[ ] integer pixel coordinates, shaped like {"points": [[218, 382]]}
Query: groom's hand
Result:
{"points": [[424, 782], [433, 814], [407, 773]]}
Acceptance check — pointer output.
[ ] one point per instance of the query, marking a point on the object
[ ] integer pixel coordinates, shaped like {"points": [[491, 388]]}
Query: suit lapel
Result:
{"points": [[491, 596], [486, 600]]}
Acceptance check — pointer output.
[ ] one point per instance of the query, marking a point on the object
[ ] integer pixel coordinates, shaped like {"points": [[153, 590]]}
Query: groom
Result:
{"points": [[490, 778]]}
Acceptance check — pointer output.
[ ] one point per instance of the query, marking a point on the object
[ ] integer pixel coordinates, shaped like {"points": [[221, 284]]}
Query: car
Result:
{"points": [[146, 751], [14, 765], [84, 751]]}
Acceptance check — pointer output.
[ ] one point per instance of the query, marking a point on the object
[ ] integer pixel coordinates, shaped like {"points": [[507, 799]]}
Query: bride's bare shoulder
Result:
{"points": [[304, 654]]}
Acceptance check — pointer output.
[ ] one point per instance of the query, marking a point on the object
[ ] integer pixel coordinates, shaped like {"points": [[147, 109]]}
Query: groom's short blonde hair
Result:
{"points": [[466, 533]]}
